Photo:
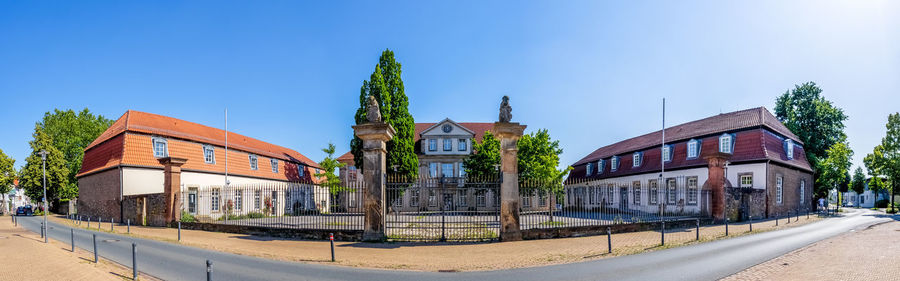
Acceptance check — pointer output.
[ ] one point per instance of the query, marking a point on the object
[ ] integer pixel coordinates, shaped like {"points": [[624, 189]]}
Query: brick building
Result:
{"points": [[734, 164], [142, 153]]}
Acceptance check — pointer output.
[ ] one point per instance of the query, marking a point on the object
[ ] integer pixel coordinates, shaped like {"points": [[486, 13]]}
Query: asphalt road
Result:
{"points": [[706, 261]]}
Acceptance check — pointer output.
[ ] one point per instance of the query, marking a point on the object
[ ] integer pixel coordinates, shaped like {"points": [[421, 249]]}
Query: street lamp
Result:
{"points": [[43, 154]]}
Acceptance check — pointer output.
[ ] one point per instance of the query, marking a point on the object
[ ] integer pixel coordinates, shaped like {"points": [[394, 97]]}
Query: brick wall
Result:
{"points": [[98, 194], [145, 209], [791, 184]]}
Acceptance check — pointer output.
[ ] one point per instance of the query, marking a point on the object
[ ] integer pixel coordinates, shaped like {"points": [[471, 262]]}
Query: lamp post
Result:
{"points": [[43, 154]]}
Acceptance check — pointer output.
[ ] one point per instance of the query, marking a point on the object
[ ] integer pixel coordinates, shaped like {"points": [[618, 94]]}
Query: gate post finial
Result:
{"points": [[375, 137]]}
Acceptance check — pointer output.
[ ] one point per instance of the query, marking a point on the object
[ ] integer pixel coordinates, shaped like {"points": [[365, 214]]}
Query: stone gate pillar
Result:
{"points": [[716, 183], [374, 135], [172, 187], [509, 134]]}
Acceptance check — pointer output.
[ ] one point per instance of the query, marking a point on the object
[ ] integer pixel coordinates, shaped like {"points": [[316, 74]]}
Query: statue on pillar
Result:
{"points": [[374, 112], [505, 110]]}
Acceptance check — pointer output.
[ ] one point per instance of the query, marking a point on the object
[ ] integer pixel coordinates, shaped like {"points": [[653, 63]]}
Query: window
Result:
{"points": [[238, 199], [318, 171], [448, 144], [300, 170], [693, 149], [862, 198], [432, 199], [654, 191], [542, 199], [287, 202], [462, 169], [667, 153], [591, 195], [480, 200], [610, 193], [414, 198], [803, 192], [351, 198], [253, 164], [692, 190], [779, 189], [432, 145], [726, 143], [589, 169], [636, 159], [670, 188], [447, 170], [614, 164], [274, 202], [432, 169], [463, 145], [747, 180], [209, 154], [526, 201], [600, 166], [636, 186], [160, 147], [462, 197], [256, 199], [274, 165], [789, 148], [214, 199]]}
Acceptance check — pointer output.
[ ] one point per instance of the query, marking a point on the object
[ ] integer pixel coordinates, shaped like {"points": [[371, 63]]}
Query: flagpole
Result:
{"points": [[226, 162], [662, 160]]}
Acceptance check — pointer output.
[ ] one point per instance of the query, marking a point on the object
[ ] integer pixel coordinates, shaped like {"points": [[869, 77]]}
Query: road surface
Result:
{"points": [[706, 261]]}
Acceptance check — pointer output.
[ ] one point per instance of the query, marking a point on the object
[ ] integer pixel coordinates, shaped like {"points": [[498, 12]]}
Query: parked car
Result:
{"points": [[26, 210]]}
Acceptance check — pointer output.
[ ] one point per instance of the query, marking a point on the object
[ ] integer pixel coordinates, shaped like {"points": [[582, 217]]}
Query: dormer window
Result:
{"points": [[726, 143], [789, 148], [160, 147], [274, 165], [667, 153], [636, 159], [432, 145], [300, 170], [614, 163], [693, 149], [600, 166], [209, 154], [253, 163], [589, 169]]}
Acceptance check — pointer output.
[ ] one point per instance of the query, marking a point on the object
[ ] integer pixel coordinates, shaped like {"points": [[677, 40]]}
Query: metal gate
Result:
{"points": [[442, 209]]}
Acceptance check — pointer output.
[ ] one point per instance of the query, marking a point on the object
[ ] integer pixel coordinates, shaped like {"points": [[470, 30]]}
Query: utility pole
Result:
{"points": [[43, 154]]}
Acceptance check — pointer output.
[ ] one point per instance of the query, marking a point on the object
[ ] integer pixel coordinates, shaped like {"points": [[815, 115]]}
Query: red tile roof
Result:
{"points": [[109, 148], [726, 122]]}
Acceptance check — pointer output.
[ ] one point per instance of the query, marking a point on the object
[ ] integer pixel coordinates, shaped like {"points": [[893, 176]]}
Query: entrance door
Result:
{"points": [[192, 201], [623, 198]]}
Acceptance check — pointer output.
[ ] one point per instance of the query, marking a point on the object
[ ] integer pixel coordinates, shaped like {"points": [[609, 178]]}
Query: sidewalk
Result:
{"points": [[442, 257], [867, 254], [26, 257]]}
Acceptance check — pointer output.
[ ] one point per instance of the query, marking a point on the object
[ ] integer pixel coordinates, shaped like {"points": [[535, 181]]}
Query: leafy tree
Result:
{"points": [[7, 175], [386, 86], [71, 133], [486, 157], [885, 158], [31, 176], [815, 120], [835, 167], [538, 161], [329, 164], [858, 184]]}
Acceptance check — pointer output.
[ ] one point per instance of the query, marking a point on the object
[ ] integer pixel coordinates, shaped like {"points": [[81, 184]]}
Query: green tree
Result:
{"points": [[71, 133], [538, 159], [816, 121], [485, 160], [329, 164], [835, 168], [885, 158], [7, 176], [858, 184], [386, 86], [31, 176]]}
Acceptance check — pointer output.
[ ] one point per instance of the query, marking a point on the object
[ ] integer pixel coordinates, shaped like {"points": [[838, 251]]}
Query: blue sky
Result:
{"points": [[591, 72]]}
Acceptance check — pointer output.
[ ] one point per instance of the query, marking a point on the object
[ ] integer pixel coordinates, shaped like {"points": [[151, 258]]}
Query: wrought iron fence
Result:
{"points": [[606, 202], [442, 208], [291, 205]]}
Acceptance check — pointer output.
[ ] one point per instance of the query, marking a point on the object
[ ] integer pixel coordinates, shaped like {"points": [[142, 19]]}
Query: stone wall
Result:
{"points": [[740, 205], [98, 194], [310, 234], [791, 201], [146, 209]]}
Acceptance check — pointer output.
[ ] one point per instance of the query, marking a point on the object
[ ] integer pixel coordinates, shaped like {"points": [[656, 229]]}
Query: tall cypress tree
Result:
{"points": [[386, 85]]}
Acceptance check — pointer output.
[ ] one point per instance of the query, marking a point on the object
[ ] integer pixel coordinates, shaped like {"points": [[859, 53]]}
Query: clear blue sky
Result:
{"points": [[591, 72]]}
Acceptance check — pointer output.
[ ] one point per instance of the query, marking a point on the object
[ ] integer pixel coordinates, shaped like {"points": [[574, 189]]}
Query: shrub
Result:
{"points": [[255, 215], [883, 203], [187, 217]]}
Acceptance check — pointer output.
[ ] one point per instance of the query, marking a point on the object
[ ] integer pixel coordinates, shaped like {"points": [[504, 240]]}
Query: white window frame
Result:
{"points": [[433, 169], [746, 180], [589, 169], [729, 148], [214, 199], [636, 189], [444, 167], [671, 191], [611, 194], [209, 154], [301, 172], [803, 191], [789, 148], [462, 197], [165, 145], [448, 144], [462, 145], [636, 159], [614, 163], [432, 198], [779, 190], [274, 163], [692, 149], [414, 198], [653, 185], [526, 201], [600, 166], [667, 153], [692, 190], [254, 162], [257, 199], [462, 169], [238, 199], [432, 144]]}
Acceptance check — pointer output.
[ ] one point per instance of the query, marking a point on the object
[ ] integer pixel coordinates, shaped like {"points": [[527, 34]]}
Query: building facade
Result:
{"points": [[736, 165], [126, 161]]}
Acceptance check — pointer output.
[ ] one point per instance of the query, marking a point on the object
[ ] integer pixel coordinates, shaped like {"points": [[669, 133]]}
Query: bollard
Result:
{"points": [[179, 231], [662, 233], [129, 226], [112, 224], [134, 261], [331, 237], [95, 247], [698, 230], [89, 222], [72, 231], [776, 220], [208, 270], [99, 222], [42, 229], [16, 221], [608, 240], [726, 226], [807, 214], [751, 223]]}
